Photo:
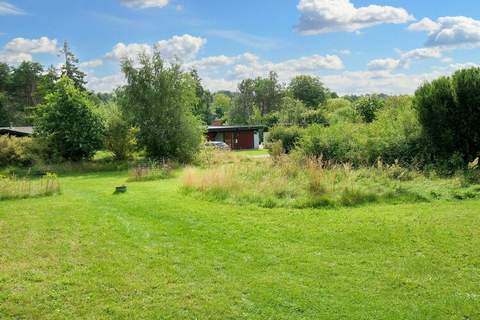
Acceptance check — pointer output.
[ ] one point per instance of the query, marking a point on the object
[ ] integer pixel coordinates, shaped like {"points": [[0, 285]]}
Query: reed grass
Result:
{"points": [[21, 188]]}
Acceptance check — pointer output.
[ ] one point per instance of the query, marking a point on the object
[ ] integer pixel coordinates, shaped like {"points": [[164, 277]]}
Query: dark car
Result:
{"points": [[218, 145]]}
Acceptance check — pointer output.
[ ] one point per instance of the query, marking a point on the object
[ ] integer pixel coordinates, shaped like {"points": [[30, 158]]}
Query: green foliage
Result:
{"points": [[119, 134], [68, 123], [395, 135], [311, 117], [256, 99], [289, 136], [368, 106], [221, 105], [159, 100], [202, 107], [343, 115], [291, 111], [309, 90], [16, 151], [332, 105], [449, 112]]}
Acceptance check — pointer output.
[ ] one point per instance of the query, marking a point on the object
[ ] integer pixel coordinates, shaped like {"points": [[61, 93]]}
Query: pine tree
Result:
{"points": [[70, 68]]}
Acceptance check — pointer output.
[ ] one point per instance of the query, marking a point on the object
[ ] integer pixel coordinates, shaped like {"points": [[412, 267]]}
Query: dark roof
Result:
{"points": [[234, 128], [17, 131]]}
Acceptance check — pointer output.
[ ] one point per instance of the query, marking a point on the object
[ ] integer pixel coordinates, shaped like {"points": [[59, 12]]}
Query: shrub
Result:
{"points": [[289, 136], [68, 123], [342, 115], [16, 151], [310, 117], [368, 106], [119, 135], [449, 112], [395, 135]]}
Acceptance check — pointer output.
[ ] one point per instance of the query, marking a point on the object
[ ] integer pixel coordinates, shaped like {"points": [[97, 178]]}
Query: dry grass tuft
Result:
{"points": [[21, 188]]}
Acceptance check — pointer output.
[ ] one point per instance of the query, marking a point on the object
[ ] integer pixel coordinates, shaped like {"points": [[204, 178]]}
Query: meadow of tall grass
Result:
{"points": [[13, 187], [288, 181]]}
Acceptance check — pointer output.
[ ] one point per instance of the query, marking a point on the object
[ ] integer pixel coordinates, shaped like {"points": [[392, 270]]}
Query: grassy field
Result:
{"points": [[155, 253]]}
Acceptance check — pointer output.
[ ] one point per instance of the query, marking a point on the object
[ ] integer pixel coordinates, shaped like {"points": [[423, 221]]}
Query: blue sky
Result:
{"points": [[354, 46]]}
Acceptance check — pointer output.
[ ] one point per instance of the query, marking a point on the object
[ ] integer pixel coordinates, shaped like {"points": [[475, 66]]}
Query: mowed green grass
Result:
{"points": [[155, 253]]}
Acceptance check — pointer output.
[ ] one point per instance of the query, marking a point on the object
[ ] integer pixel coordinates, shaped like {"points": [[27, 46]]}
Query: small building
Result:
{"points": [[16, 131], [237, 137]]}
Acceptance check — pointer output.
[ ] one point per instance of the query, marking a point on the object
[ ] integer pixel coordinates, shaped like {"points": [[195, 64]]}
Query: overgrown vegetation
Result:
{"points": [[315, 182], [13, 187], [149, 171]]}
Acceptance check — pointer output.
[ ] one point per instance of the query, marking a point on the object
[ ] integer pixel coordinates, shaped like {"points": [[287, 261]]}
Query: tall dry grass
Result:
{"points": [[287, 181], [21, 188]]}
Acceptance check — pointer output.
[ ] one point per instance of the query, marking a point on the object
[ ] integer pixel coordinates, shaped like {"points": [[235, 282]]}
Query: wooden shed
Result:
{"points": [[237, 137]]}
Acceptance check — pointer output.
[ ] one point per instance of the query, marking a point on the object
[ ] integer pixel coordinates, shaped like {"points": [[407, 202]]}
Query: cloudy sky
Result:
{"points": [[354, 46]]}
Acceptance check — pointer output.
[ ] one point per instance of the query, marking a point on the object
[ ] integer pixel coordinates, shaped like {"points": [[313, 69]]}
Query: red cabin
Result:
{"points": [[237, 137]]}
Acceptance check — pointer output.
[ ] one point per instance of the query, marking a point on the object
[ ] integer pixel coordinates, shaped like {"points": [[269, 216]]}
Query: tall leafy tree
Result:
{"points": [[70, 68], [68, 122], [244, 103], [268, 94], [202, 108], [159, 99], [222, 104], [309, 90]]}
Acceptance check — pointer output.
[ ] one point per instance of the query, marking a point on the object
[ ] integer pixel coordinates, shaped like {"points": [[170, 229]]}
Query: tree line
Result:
{"points": [[163, 109]]}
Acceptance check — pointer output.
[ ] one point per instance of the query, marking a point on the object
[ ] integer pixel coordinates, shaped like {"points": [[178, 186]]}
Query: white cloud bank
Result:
{"points": [[182, 48], [323, 16], [449, 32], [143, 4], [20, 49]]}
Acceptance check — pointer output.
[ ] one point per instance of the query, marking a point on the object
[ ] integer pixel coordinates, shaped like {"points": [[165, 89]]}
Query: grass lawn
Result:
{"points": [[155, 253]]}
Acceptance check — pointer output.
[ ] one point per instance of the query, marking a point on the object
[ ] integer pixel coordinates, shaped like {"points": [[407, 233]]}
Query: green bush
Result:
{"points": [[119, 135], [395, 135], [68, 124], [449, 111], [368, 106], [289, 136], [16, 151]]}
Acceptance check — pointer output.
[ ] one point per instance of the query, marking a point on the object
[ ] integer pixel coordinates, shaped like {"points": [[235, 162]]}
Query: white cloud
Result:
{"points": [[21, 49], [422, 53], [222, 60], [184, 48], [289, 68], [383, 64], [14, 57], [129, 51], [364, 82], [426, 24], [92, 64], [449, 32], [105, 84], [8, 9], [41, 45], [406, 58], [143, 4], [322, 16]]}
